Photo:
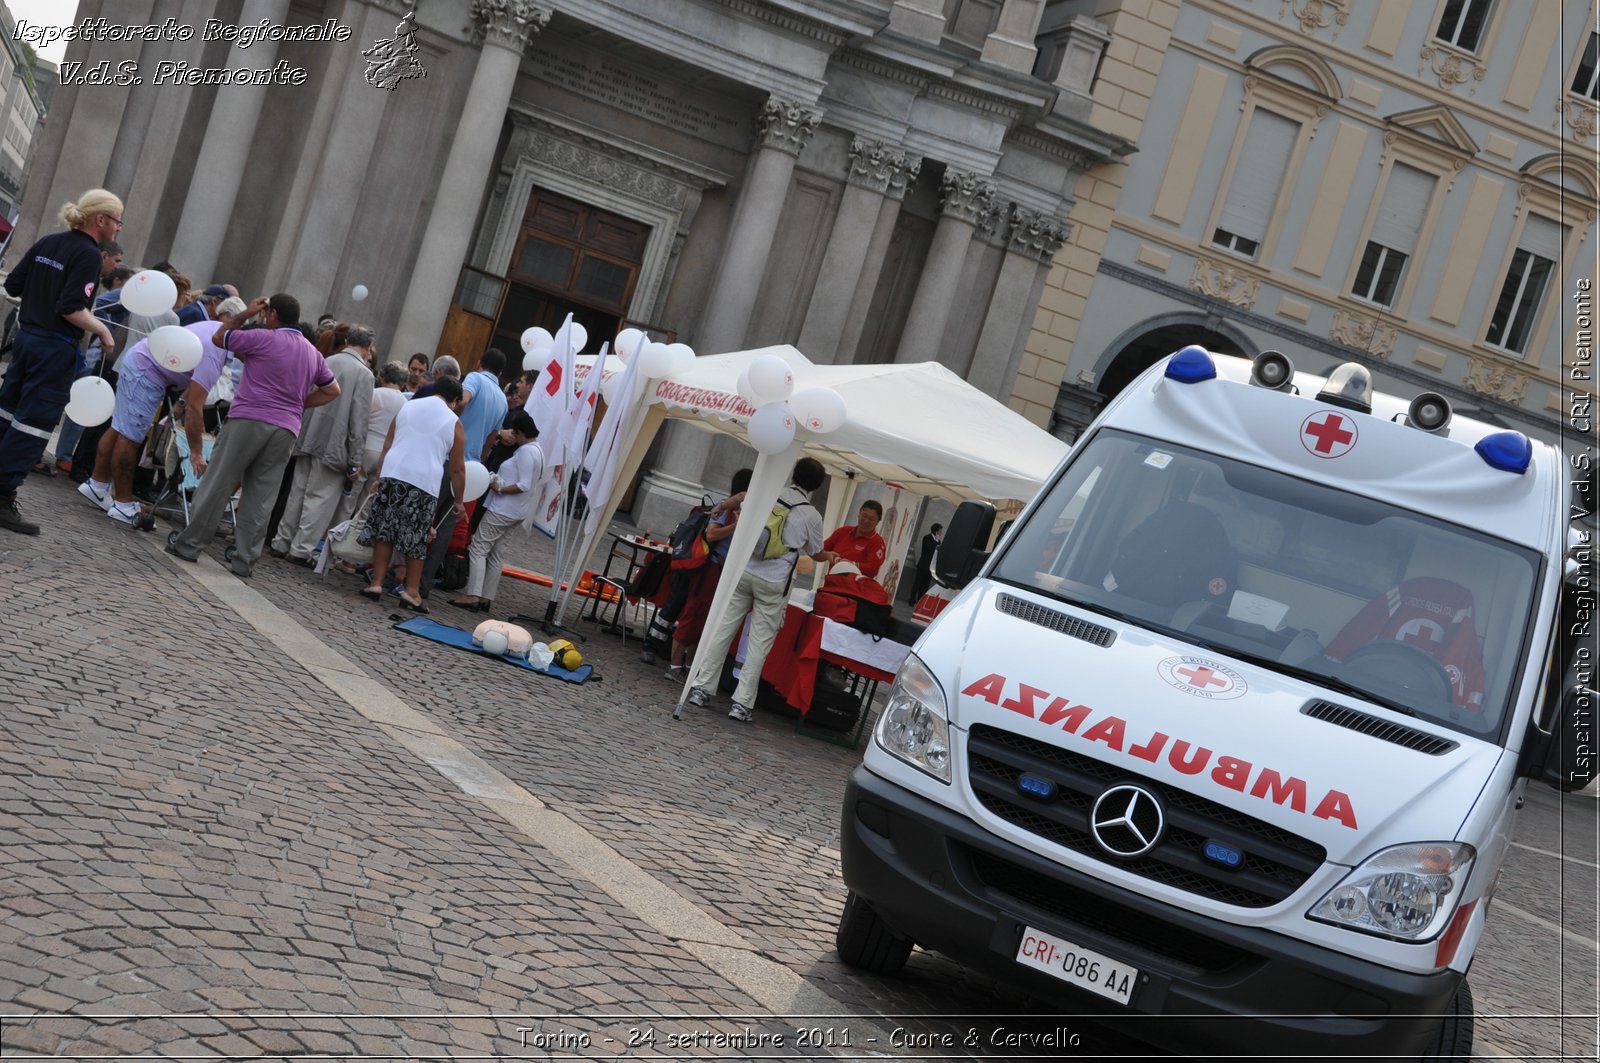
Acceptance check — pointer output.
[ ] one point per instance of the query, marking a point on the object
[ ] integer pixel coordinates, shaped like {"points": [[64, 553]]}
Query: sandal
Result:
{"points": [[372, 595], [45, 468]]}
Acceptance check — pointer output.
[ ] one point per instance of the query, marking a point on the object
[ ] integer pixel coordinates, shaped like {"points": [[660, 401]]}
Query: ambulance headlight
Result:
{"points": [[914, 725], [1407, 892]]}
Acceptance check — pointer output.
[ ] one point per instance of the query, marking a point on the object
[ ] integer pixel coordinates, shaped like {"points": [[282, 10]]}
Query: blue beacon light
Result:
{"points": [[1191, 365], [1506, 451]]}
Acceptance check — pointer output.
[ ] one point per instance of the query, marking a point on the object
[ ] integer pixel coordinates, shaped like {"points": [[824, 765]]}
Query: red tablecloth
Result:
{"points": [[791, 667]]}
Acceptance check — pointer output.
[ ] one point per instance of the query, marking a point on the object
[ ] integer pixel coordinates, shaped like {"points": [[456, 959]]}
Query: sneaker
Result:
{"points": [[124, 512], [677, 672], [11, 518], [699, 698], [99, 496], [740, 713]]}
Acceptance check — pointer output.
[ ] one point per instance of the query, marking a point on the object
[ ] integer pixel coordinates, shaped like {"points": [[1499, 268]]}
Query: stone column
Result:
{"points": [[504, 27], [966, 198], [330, 203], [208, 210], [1031, 246], [1011, 43], [904, 176], [872, 165], [784, 128], [140, 106]]}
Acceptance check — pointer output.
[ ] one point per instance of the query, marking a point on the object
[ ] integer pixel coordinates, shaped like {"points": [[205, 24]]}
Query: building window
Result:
{"points": [[1463, 23], [1379, 274], [1517, 309], [1393, 239], [1584, 81], [1257, 179]]}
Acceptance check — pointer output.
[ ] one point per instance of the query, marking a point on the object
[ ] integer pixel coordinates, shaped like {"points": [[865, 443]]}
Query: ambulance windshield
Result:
{"points": [[1427, 617]]}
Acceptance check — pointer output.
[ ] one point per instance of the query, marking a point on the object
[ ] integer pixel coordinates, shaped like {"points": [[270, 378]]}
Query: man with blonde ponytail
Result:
{"points": [[55, 279]]}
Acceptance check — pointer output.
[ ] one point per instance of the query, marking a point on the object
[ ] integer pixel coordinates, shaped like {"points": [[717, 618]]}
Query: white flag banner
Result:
{"points": [[611, 443], [550, 402], [581, 415]]}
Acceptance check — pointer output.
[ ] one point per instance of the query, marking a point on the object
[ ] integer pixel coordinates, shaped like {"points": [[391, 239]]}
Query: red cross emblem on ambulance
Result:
{"points": [[1327, 434], [1203, 677]]}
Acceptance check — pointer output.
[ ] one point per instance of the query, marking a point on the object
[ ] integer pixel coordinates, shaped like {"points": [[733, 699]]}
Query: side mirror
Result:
{"points": [[959, 555], [1569, 757]]}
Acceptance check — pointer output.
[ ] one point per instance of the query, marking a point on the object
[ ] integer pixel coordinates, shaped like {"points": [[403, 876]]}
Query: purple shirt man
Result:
{"points": [[280, 369]]}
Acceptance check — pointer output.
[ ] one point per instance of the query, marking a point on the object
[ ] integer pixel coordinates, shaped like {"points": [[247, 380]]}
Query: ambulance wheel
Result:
{"points": [[863, 941], [1454, 1040], [1398, 668]]}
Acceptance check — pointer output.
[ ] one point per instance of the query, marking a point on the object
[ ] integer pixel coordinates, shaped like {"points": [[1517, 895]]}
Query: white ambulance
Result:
{"points": [[1231, 726]]}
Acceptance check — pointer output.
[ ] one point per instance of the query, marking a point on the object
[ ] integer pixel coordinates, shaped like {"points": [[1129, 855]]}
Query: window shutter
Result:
{"points": [[1405, 201], [1258, 175], [1543, 237]]}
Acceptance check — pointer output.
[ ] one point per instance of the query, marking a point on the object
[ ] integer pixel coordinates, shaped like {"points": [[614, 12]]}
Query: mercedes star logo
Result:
{"points": [[1127, 821]]}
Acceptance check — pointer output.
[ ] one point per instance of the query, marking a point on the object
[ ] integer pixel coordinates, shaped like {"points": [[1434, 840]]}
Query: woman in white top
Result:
{"points": [[510, 505], [424, 438], [387, 398]]}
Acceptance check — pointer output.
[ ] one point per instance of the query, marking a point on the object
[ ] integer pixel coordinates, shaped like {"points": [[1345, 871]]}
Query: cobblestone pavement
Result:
{"points": [[250, 819]]}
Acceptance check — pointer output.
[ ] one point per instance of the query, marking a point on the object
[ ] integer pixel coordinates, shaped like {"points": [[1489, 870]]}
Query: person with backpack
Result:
{"points": [[701, 583], [794, 528]]}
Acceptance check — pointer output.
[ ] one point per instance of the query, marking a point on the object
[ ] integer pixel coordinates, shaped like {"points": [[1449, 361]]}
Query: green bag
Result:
{"points": [[776, 520]]}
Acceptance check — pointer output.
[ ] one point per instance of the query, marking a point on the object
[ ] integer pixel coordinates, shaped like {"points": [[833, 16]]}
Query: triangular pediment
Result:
{"points": [[1436, 123]]}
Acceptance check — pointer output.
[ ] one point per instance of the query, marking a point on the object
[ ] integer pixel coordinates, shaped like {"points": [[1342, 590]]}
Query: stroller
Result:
{"points": [[170, 451]]}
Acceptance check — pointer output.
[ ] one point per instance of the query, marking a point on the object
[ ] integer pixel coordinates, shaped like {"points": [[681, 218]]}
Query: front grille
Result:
{"points": [[1276, 862], [1377, 727], [1022, 609], [1139, 937]]}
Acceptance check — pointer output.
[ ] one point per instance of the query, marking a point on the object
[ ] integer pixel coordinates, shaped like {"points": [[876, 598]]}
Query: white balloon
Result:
{"points": [[772, 428], [175, 347], [682, 358], [771, 378], [495, 642], [628, 341], [92, 400], [818, 410], [477, 481], [655, 360], [580, 338], [359, 292], [536, 337], [535, 360], [610, 386], [743, 387], [149, 292]]}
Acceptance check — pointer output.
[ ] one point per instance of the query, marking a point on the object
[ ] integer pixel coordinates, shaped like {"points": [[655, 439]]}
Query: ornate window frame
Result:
{"points": [[1453, 65], [1537, 194], [1286, 99], [1444, 156], [1579, 112]]}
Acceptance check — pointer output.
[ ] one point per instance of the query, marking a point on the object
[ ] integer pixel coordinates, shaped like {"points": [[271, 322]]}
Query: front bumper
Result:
{"points": [[937, 878]]}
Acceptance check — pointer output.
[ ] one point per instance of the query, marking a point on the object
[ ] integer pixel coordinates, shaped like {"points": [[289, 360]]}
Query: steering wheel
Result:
{"points": [[1401, 667]]}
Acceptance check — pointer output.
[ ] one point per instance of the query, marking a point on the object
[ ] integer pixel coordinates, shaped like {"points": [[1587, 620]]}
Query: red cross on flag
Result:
{"points": [[551, 401]]}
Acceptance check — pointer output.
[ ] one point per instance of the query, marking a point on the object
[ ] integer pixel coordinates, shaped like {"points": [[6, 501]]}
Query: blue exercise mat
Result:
{"points": [[462, 640]]}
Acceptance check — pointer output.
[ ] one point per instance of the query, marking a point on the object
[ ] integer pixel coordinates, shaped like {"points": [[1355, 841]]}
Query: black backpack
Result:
{"points": [[688, 540]]}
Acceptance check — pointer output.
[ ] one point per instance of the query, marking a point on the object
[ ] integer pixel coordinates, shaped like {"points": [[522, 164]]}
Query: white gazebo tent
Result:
{"points": [[918, 425]]}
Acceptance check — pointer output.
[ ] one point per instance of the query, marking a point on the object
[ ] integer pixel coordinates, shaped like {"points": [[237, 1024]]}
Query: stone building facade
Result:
{"points": [[871, 180], [1407, 185], [21, 109]]}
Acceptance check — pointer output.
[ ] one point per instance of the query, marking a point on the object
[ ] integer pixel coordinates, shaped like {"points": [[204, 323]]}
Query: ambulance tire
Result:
{"points": [[1454, 1041], [864, 942]]}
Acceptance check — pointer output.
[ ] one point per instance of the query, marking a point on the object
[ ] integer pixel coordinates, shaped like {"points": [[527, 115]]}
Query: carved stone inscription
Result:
{"points": [[608, 81]]}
